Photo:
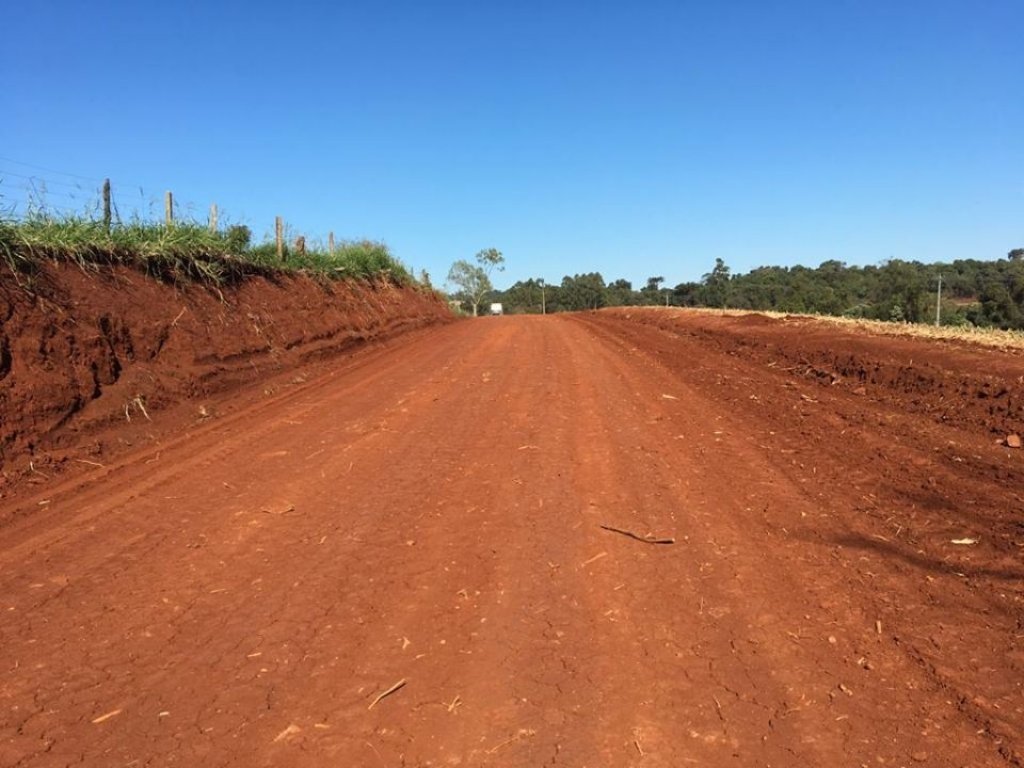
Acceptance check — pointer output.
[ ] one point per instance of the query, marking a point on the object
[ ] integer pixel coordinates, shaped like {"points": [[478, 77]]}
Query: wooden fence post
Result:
{"points": [[279, 237], [330, 243], [300, 245], [169, 209], [213, 217], [106, 205]]}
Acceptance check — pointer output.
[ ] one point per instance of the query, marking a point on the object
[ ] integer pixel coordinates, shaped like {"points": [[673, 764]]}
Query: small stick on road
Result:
{"points": [[104, 718], [638, 537], [595, 558], [388, 692], [137, 402], [520, 734], [718, 708]]}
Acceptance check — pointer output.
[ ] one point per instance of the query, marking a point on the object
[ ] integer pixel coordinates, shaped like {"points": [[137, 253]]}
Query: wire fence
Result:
{"points": [[29, 190]]}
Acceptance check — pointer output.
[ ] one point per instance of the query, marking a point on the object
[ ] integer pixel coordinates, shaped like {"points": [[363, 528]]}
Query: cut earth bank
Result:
{"points": [[85, 352]]}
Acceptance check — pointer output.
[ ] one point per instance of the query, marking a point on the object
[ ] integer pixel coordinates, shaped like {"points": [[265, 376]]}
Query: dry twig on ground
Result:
{"points": [[649, 539], [388, 692]]}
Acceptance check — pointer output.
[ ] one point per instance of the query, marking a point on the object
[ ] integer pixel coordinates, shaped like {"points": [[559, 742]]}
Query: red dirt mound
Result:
{"points": [[952, 382], [81, 350]]}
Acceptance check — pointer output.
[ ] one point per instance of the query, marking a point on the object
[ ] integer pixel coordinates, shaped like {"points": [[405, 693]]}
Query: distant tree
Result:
{"points": [[903, 291], [586, 291], [490, 259], [716, 285], [687, 294], [524, 296], [620, 293], [652, 292], [1000, 307], [472, 282], [982, 293]]}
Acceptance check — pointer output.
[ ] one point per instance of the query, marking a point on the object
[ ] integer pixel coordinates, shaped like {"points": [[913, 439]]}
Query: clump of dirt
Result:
{"points": [[80, 350]]}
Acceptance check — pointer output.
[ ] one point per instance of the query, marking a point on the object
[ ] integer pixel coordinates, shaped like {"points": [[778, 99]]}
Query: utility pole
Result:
{"points": [[938, 304]]}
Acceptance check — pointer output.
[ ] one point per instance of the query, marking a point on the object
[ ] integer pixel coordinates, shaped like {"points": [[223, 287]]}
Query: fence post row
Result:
{"points": [[300, 241]]}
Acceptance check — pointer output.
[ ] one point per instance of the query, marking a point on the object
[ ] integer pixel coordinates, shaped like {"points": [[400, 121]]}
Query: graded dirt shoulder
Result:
{"points": [[430, 515]]}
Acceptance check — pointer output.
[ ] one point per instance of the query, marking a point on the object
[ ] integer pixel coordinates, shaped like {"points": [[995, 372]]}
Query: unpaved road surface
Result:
{"points": [[241, 593]]}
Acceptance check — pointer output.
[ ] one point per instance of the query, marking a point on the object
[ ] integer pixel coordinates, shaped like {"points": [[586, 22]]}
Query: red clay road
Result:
{"points": [[431, 513]]}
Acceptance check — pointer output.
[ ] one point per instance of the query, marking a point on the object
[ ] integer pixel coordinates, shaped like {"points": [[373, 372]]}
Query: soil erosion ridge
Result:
{"points": [[85, 350], [607, 539]]}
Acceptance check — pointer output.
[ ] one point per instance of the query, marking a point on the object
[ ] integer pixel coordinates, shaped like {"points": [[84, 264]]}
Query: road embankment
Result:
{"points": [[82, 350]]}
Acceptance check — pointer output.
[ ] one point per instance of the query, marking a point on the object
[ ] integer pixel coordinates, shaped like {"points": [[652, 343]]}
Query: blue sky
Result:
{"points": [[636, 139]]}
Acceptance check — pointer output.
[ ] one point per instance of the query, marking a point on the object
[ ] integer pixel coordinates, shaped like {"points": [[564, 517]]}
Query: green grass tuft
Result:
{"points": [[183, 251]]}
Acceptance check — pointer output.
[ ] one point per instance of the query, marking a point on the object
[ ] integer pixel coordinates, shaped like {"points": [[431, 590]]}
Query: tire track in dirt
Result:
{"points": [[220, 523], [777, 680], [887, 492]]}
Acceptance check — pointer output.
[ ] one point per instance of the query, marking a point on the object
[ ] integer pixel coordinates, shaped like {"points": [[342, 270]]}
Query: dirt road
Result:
{"points": [[431, 513]]}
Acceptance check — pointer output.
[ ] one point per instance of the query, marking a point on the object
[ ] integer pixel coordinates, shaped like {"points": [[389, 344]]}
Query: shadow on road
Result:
{"points": [[925, 562]]}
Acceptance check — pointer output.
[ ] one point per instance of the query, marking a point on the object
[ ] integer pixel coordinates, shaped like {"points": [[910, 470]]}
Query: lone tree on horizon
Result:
{"points": [[474, 280]]}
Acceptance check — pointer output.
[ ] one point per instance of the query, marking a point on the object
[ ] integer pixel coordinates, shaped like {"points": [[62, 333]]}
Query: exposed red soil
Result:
{"points": [[971, 386], [430, 512], [82, 351]]}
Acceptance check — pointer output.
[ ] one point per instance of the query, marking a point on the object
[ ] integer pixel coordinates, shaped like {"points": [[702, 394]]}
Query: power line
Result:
{"points": [[137, 200], [94, 180], [50, 170], [36, 201], [28, 204], [40, 186], [44, 180], [48, 208], [46, 193]]}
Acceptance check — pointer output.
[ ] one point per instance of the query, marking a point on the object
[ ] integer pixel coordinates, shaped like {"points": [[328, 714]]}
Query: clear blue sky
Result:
{"points": [[636, 139]]}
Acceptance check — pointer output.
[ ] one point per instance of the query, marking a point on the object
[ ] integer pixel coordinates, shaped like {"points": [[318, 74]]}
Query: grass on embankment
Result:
{"points": [[182, 251]]}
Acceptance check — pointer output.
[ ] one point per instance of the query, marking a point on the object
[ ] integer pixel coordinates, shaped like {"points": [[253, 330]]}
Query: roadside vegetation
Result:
{"points": [[184, 250], [982, 294], [472, 282]]}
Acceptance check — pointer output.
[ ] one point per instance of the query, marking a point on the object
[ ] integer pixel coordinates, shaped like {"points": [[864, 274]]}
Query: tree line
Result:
{"points": [[980, 293]]}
